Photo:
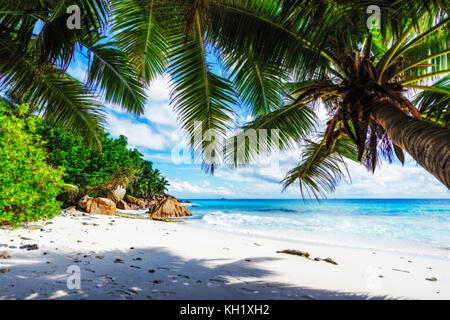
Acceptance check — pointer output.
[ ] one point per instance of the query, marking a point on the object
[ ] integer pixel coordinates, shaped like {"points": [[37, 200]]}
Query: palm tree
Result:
{"points": [[284, 56], [280, 58], [361, 78]]}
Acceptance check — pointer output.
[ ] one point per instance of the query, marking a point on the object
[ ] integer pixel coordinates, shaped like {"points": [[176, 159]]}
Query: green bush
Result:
{"points": [[28, 186], [94, 171]]}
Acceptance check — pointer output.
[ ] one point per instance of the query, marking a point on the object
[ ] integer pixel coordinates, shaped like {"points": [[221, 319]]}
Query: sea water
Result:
{"points": [[414, 226]]}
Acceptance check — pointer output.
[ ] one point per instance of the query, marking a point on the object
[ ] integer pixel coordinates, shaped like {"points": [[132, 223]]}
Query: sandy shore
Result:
{"points": [[122, 258]]}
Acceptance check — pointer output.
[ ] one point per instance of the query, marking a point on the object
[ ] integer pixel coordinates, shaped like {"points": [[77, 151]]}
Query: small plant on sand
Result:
{"points": [[28, 186]]}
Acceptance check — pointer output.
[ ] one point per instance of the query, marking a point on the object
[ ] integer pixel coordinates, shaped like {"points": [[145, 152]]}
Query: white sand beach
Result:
{"points": [[121, 258]]}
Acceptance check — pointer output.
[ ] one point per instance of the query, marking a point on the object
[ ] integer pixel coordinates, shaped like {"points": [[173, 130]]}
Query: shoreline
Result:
{"points": [[402, 247], [121, 258]]}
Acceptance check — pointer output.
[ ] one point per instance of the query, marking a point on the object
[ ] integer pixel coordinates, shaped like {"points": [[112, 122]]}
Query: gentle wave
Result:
{"points": [[416, 234]]}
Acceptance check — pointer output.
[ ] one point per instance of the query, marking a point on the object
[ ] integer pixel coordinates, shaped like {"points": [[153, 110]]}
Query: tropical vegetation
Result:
{"points": [[385, 91], [29, 187], [95, 172], [43, 167]]}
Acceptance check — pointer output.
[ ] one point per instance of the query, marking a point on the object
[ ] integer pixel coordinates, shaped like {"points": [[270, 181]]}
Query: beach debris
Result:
{"points": [[317, 259], [405, 271], [295, 253], [183, 276], [135, 267], [5, 255], [157, 281], [5, 270], [248, 260], [30, 247], [329, 260], [431, 279], [152, 271], [118, 261]]}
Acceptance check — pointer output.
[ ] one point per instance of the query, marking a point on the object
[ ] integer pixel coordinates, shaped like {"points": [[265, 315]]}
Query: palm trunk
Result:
{"points": [[428, 144]]}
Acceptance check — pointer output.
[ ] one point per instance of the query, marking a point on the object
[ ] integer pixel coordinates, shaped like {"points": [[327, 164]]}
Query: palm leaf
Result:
{"points": [[62, 99], [138, 31], [289, 125], [434, 102], [111, 72], [321, 169], [200, 97]]}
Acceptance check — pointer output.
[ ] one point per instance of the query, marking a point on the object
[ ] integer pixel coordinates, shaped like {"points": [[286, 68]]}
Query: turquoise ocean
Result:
{"points": [[412, 226]]}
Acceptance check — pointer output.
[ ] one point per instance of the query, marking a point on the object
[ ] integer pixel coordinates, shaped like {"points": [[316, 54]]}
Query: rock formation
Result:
{"points": [[85, 202], [101, 206], [117, 193], [122, 205], [169, 208]]}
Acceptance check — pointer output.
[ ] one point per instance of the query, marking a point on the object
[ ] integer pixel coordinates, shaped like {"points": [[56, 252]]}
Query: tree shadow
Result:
{"points": [[150, 273]]}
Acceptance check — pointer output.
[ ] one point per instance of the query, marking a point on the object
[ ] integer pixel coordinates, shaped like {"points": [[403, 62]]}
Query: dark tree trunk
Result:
{"points": [[428, 144]]}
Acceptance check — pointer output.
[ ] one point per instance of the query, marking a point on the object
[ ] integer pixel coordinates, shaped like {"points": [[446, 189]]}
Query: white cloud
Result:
{"points": [[138, 134], [392, 180], [160, 113], [159, 90], [204, 188], [389, 180]]}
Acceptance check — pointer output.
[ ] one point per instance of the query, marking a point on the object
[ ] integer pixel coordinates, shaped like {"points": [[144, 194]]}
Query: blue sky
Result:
{"points": [[156, 133]]}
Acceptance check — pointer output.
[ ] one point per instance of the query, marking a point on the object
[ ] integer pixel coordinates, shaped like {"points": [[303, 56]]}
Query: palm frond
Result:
{"points": [[200, 97], [434, 102], [62, 99], [259, 85], [138, 31], [110, 71], [321, 168], [278, 130]]}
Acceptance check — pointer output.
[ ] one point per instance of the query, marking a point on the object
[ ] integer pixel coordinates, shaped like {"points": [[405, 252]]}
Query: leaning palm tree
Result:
{"points": [[284, 56], [363, 79]]}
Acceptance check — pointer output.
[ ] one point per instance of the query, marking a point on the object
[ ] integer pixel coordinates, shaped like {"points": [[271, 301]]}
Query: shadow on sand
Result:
{"points": [[151, 273]]}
